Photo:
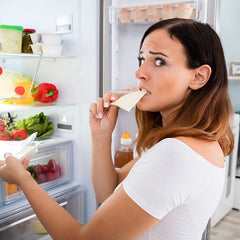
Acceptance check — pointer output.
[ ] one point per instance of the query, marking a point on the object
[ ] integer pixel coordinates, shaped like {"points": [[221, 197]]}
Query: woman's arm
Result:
{"points": [[58, 222], [103, 173], [117, 218], [102, 121]]}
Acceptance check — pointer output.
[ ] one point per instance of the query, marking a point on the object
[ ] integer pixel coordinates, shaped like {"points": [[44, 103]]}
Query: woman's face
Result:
{"points": [[163, 72]]}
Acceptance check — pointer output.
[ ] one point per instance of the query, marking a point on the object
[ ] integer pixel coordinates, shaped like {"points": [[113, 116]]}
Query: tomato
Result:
{"points": [[19, 134], [4, 135], [2, 125]]}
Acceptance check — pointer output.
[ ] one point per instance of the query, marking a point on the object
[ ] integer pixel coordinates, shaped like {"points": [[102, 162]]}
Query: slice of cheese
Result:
{"points": [[128, 101]]}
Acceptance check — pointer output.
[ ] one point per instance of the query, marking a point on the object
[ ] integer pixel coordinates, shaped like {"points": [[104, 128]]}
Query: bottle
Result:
{"points": [[125, 153]]}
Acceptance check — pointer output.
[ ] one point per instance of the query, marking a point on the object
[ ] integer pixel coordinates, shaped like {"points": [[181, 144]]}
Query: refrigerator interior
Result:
{"points": [[75, 74]]}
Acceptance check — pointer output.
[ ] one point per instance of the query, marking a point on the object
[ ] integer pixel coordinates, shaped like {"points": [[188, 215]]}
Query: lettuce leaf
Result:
{"points": [[38, 123]]}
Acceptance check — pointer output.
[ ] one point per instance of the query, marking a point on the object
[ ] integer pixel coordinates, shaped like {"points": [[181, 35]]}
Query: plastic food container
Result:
{"points": [[51, 39], [184, 10], [11, 191], [35, 37], [168, 11], [125, 15], [52, 50], [50, 166], [36, 48], [11, 38], [15, 87]]}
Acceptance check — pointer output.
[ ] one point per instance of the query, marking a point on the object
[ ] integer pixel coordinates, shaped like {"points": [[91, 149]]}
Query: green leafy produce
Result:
{"points": [[38, 123], [15, 77]]}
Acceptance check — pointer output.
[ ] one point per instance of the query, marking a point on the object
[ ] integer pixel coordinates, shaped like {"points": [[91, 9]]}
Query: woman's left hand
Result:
{"points": [[13, 170]]}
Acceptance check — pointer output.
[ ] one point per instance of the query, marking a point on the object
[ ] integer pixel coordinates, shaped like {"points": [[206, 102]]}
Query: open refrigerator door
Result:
{"points": [[124, 23]]}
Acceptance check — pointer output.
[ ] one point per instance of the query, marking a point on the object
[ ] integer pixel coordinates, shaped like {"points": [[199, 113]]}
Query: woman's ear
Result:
{"points": [[201, 76]]}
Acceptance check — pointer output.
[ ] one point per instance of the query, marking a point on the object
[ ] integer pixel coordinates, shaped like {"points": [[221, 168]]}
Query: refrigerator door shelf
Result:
{"points": [[18, 219], [153, 11], [50, 166]]}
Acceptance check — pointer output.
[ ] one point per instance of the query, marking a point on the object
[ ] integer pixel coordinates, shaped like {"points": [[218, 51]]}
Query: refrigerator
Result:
{"points": [[76, 75], [100, 41], [123, 24]]}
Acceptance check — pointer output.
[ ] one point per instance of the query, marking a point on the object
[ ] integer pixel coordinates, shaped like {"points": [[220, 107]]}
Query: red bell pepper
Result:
{"points": [[47, 92]]}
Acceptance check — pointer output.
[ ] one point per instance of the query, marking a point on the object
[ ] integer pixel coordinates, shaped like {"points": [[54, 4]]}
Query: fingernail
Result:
{"points": [[99, 115], [112, 98], [7, 155], [106, 104]]}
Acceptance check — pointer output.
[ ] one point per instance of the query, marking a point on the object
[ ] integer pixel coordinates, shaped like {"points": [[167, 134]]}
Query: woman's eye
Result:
{"points": [[140, 61], [159, 62]]}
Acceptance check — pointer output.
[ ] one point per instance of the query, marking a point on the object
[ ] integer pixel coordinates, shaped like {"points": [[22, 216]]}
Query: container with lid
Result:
{"points": [[125, 153], [11, 38], [26, 40]]}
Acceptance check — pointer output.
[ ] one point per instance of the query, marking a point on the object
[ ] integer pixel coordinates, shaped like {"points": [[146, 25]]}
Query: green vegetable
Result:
{"points": [[15, 77], [38, 123]]}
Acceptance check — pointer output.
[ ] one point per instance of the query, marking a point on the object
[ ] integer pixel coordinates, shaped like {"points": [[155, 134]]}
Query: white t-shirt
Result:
{"points": [[176, 185]]}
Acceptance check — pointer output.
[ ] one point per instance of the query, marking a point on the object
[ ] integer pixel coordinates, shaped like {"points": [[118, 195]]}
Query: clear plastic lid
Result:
{"points": [[11, 27]]}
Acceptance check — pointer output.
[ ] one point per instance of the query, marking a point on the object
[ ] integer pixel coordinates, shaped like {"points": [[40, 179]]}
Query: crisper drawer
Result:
{"points": [[50, 167], [18, 221]]}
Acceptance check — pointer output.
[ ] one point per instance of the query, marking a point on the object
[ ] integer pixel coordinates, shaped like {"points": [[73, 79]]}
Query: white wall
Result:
{"points": [[230, 36]]}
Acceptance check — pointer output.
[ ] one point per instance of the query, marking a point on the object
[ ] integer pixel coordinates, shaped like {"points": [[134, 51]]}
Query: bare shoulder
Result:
{"points": [[210, 150]]}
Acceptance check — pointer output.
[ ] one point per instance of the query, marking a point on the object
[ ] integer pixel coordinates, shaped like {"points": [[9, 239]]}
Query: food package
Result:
{"points": [[16, 85], [152, 13], [125, 15], [168, 11], [11, 38], [184, 10]]}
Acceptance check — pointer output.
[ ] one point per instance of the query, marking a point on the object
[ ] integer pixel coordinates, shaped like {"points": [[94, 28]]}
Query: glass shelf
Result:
{"points": [[4, 108], [234, 78], [4, 55]]}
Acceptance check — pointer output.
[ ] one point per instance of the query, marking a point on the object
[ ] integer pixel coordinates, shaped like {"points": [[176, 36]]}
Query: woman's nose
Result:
{"points": [[141, 73]]}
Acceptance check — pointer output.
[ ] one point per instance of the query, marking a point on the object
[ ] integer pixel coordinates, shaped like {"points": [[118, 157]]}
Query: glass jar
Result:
{"points": [[26, 40]]}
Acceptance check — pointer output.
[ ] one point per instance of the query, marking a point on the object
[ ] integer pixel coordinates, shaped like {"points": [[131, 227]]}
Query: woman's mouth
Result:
{"points": [[144, 89]]}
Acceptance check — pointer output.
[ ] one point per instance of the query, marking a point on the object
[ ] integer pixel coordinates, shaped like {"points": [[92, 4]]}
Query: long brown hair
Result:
{"points": [[206, 112]]}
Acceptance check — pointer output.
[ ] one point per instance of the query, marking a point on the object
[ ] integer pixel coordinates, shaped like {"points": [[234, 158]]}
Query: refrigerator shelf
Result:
{"points": [[4, 56], [4, 108], [234, 78]]}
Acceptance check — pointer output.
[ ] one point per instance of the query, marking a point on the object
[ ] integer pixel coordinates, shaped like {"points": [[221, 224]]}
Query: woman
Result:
{"points": [[173, 187]]}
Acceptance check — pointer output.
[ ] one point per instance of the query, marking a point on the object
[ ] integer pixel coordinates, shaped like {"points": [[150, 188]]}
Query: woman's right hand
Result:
{"points": [[13, 170], [103, 115]]}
